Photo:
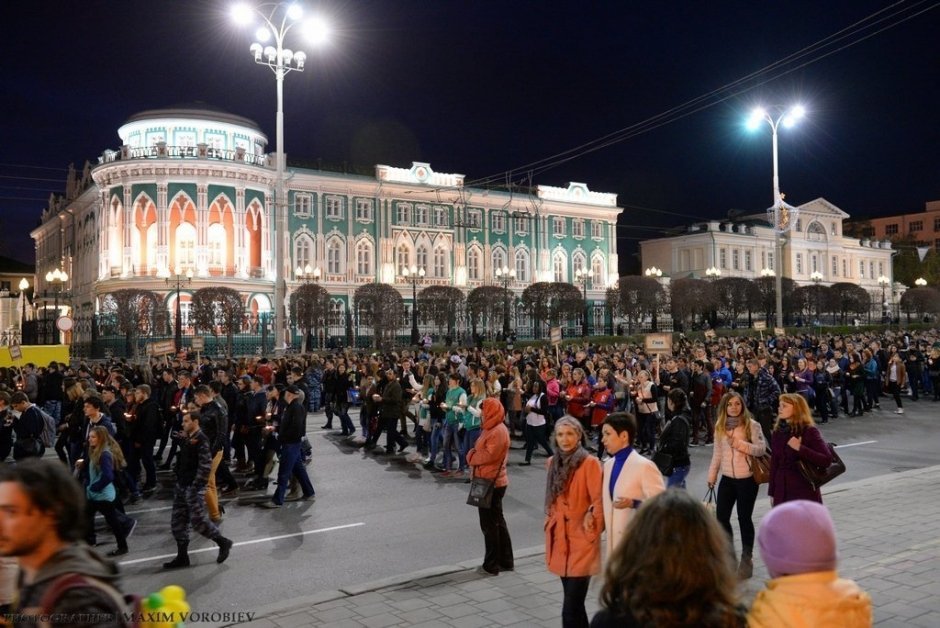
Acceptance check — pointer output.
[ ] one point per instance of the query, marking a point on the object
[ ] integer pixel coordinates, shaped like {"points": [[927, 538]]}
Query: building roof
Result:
{"points": [[8, 265], [197, 111]]}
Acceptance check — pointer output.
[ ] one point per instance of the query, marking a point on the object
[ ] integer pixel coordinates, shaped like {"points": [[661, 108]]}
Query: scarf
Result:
{"points": [[732, 422], [563, 464]]}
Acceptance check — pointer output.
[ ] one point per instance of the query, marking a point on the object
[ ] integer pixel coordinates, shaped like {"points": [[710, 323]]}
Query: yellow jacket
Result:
{"points": [[813, 600]]}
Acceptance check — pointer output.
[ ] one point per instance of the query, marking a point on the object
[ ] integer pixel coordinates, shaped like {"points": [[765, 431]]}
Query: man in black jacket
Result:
{"points": [[390, 413], [291, 431], [214, 424], [28, 428], [146, 428], [189, 495]]}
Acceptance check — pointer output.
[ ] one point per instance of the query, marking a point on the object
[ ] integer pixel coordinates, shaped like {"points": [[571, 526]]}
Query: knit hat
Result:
{"points": [[797, 537], [492, 410]]}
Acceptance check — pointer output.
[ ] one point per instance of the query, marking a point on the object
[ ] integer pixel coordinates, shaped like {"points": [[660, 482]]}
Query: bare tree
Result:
{"points": [[637, 298], [767, 295], [923, 301], [136, 313], [218, 310], [690, 298], [441, 305], [310, 308], [552, 303], [735, 296], [382, 308], [849, 298], [485, 305]]}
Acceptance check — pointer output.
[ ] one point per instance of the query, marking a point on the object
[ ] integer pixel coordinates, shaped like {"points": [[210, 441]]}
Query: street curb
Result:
{"points": [[299, 603]]}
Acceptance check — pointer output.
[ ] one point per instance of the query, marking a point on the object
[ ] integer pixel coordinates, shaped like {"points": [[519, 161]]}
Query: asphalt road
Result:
{"points": [[378, 516]]}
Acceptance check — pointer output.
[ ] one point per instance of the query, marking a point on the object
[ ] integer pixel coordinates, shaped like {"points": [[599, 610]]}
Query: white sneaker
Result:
{"points": [[899, 411]]}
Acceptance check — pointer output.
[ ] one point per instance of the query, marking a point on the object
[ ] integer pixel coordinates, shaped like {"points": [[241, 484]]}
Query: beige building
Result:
{"points": [[924, 226]]}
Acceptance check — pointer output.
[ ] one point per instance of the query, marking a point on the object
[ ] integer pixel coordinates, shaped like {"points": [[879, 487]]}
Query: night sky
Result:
{"points": [[485, 88]]}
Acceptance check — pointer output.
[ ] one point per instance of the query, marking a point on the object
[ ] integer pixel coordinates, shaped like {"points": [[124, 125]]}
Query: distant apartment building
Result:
{"points": [[923, 227]]}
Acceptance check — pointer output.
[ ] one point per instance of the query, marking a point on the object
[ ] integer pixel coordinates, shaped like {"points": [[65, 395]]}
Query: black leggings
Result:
{"points": [[895, 389], [742, 491], [573, 613]]}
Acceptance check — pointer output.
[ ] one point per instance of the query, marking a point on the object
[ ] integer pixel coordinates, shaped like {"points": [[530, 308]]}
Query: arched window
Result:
{"points": [[216, 243], [499, 258], [334, 257], [473, 264], [422, 257], [816, 232], [577, 263], [597, 270], [440, 262], [303, 251], [335, 316], [522, 265], [558, 267], [186, 246], [364, 258], [152, 247], [403, 256]]}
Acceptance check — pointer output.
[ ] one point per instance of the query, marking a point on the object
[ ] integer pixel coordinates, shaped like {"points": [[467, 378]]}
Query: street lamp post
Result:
{"points": [[788, 118], [816, 277], [712, 274], [177, 280], [57, 278], [24, 285], [505, 276], [767, 272], [883, 282], [654, 273], [413, 274], [276, 23], [583, 277]]}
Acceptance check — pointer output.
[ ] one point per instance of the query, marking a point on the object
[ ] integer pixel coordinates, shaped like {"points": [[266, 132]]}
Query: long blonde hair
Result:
{"points": [[802, 415], [721, 422], [106, 442]]}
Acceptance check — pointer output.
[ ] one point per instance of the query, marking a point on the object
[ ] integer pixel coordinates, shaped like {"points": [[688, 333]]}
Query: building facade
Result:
{"points": [[191, 191], [746, 246], [923, 227]]}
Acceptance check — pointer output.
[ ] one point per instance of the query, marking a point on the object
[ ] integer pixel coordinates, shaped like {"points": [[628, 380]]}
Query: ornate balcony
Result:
{"points": [[160, 150]]}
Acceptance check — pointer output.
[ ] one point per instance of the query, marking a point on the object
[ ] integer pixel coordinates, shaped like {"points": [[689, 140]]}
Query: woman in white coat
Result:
{"points": [[629, 478]]}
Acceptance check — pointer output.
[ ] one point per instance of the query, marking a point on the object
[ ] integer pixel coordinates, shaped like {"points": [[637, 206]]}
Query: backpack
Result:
{"points": [[131, 606], [718, 391], [49, 434]]}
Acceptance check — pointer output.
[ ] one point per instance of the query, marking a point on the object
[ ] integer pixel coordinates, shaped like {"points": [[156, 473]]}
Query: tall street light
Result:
{"points": [[24, 286], [583, 277], [277, 20], [787, 117], [920, 282], [505, 276], [178, 280], [816, 277], [654, 273], [57, 278], [413, 274], [883, 282]]}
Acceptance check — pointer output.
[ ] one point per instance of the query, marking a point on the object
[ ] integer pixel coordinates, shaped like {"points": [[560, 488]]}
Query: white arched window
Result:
{"points": [[216, 247], [440, 262], [597, 270], [364, 258], [152, 246], [403, 258], [336, 312], [334, 257], [499, 259], [522, 265], [422, 257], [186, 246], [577, 263], [816, 232], [473, 264], [303, 251], [558, 267]]}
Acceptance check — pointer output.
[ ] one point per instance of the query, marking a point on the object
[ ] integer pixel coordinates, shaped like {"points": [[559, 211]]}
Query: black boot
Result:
{"points": [[225, 546], [746, 566], [182, 556]]}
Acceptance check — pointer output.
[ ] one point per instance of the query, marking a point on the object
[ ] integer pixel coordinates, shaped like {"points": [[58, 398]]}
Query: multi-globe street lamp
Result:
{"points": [[505, 276], [920, 282], [654, 273], [413, 274], [277, 20], [788, 117], [884, 282], [24, 286], [713, 272], [308, 274], [57, 279], [816, 277], [583, 277], [178, 280]]}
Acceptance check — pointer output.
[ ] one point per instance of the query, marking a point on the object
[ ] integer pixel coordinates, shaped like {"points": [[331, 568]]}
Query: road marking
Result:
{"points": [[241, 543], [137, 512], [864, 442]]}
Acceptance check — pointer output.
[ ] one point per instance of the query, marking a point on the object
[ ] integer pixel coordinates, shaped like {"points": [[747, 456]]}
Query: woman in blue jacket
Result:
{"points": [[104, 462]]}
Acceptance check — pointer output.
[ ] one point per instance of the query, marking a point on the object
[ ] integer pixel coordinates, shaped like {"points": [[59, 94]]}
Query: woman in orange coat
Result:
{"points": [[575, 518]]}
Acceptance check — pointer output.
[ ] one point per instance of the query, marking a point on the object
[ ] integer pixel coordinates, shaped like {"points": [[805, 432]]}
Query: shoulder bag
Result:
{"points": [[481, 491], [818, 476]]}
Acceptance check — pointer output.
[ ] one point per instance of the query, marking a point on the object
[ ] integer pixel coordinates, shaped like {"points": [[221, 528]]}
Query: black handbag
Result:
{"points": [[818, 476], [664, 462], [481, 492]]}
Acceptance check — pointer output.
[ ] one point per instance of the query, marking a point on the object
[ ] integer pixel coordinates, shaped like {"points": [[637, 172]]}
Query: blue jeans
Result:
{"points": [[437, 437], [677, 479], [466, 444], [291, 464], [450, 443], [53, 409]]}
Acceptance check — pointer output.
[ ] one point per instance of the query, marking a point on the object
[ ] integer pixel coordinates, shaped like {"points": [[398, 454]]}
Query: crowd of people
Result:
{"points": [[615, 422]]}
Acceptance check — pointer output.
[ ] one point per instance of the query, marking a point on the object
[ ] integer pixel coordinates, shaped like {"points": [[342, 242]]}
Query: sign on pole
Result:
{"points": [[199, 343], [780, 331], [163, 347], [555, 335], [659, 343], [16, 354], [760, 325], [710, 333]]}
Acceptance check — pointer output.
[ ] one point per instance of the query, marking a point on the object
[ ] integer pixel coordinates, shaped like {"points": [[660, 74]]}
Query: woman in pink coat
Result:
{"points": [[575, 518]]}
